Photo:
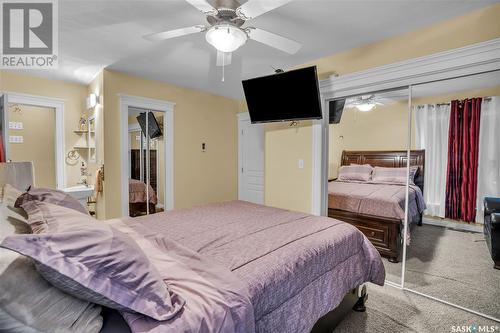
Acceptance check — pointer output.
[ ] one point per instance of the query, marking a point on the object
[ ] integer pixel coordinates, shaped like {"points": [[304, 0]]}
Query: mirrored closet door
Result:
{"points": [[368, 142], [146, 162], [454, 256]]}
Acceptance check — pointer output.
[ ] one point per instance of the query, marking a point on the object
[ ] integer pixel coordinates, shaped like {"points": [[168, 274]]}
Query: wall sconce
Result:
{"points": [[92, 101]]}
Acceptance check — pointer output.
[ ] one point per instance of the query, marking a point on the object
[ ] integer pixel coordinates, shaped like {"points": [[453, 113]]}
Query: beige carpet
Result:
{"points": [[454, 266], [393, 310]]}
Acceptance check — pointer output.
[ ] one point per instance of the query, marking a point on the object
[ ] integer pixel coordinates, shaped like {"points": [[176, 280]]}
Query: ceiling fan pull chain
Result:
{"points": [[223, 66]]}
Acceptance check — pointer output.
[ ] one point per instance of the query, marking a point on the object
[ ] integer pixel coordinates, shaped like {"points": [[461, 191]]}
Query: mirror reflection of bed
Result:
{"points": [[371, 134], [146, 158], [377, 206]]}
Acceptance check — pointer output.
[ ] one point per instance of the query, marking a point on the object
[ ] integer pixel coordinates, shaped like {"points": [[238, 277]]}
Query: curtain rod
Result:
{"points": [[488, 98]]}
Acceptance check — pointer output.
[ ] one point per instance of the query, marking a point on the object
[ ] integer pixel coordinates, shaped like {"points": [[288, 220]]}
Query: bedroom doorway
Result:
{"points": [[147, 156], [250, 160]]}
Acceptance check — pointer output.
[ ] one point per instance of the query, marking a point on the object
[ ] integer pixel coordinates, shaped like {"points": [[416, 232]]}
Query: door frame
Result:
{"points": [[42, 101], [156, 105], [243, 116]]}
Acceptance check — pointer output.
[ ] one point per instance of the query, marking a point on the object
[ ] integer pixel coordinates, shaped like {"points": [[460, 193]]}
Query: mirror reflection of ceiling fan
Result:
{"points": [[225, 29], [363, 103]]}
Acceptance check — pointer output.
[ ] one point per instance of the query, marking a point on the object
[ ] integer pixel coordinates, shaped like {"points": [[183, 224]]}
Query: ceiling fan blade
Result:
{"points": [[279, 42], [223, 58], [253, 8], [157, 36], [203, 6]]}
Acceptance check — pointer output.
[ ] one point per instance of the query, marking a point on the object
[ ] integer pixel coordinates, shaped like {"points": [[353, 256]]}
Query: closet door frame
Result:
{"points": [[474, 59], [130, 101]]}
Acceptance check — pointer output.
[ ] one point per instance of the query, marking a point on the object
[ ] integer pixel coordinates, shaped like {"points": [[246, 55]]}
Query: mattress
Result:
{"points": [[297, 267], [384, 200]]}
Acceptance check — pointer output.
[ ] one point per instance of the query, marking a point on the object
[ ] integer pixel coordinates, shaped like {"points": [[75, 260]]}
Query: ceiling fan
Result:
{"points": [[225, 29]]}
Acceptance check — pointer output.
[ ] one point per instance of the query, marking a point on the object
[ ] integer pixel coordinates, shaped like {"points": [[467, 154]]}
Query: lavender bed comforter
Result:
{"points": [[281, 270], [386, 200], [291, 267]]}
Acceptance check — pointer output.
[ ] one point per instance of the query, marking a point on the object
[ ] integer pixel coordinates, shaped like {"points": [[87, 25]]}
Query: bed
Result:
{"points": [[296, 272], [297, 267], [137, 198], [377, 210]]}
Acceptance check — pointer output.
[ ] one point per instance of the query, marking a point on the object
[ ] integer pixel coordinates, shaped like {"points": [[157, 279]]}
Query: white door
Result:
{"points": [[251, 160]]}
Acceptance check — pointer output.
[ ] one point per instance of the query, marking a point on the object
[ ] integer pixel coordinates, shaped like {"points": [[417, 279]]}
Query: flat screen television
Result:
{"points": [[154, 129], [287, 96]]}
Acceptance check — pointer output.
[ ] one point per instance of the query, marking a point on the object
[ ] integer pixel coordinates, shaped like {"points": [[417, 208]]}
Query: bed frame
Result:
{"points": [[354, 300], [383, 232], [140, 208]]}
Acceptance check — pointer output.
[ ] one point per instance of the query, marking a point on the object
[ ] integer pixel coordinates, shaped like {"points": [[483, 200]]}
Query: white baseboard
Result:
{"points": [[450, 224]]}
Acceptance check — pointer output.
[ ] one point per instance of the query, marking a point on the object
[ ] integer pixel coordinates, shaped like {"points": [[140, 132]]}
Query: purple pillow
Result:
{"points": [[355, 172], [55, 197], [394, 175], [93, 261]]}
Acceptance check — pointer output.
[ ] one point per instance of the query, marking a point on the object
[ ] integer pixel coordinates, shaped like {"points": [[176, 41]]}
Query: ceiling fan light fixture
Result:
{"points": [[365, 107], [226, 37]]}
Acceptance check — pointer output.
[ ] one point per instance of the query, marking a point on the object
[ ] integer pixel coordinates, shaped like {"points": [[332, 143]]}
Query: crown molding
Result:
{"points": [[471, 59]]}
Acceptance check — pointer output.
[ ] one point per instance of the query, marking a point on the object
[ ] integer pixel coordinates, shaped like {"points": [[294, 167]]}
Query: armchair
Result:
{"points": [[492, 228]]}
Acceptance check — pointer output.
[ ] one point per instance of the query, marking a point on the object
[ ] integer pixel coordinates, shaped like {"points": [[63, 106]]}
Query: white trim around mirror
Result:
{"points": [[156, 105]]}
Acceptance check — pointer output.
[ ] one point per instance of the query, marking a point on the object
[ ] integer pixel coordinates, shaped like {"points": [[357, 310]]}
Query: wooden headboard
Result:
{"points": [[388, 159]]}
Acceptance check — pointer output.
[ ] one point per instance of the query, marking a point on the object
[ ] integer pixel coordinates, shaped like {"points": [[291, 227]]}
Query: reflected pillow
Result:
{"points": [[394, 175], [93, 261], [53, 196], [355, 172]]}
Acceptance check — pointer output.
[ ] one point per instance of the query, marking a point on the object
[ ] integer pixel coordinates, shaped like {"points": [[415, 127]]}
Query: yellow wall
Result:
{"points": [[74, 103], [472, 28], [38, 141], [199, 177], [286, 185], [384, 128]]}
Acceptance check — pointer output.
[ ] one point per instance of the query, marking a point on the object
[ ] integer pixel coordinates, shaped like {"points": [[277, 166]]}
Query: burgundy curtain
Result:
{"points": [[463, 146]]}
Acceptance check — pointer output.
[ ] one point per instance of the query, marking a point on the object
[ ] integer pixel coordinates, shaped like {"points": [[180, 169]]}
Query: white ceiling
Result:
{"points": [[108, 33]]}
